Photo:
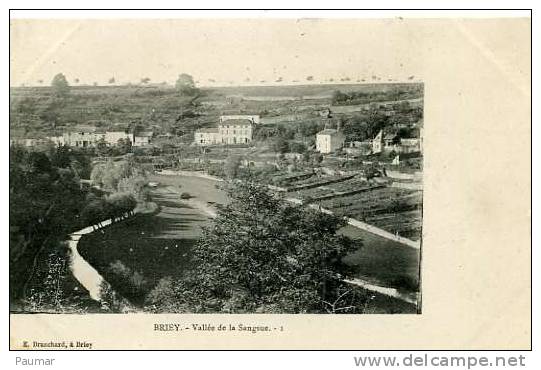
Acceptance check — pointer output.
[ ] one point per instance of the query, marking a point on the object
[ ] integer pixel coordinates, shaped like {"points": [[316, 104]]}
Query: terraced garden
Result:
{"points": [[392, 209]]}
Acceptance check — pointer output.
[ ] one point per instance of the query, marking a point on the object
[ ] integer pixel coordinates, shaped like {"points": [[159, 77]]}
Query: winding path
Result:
{"points": [[87, 275]]}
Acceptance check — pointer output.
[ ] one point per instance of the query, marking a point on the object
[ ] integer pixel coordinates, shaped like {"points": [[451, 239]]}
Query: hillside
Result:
{"points": [[35, 112]]}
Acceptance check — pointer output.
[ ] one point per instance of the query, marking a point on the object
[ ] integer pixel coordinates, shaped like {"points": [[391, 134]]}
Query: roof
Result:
{"points": [[236, 122], [329, 131], [82, 128], [145, 134], [208, 130], [237, 113], [390, 136]]}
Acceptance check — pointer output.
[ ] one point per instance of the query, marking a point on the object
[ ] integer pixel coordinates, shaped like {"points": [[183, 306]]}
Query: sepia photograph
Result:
{"points": [[269, 180], [211, 166]]}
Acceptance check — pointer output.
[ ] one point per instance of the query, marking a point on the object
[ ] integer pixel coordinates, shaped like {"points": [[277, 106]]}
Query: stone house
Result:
{"points": [[229, 131], [329, 140]]}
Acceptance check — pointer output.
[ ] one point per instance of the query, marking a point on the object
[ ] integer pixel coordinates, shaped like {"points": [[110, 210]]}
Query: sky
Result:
{"points": [[214, 51]]}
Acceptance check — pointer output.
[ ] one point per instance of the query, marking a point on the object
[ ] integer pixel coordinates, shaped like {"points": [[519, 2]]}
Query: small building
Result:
{"points": [[82, 136], [27, 142], [384, 143], [207, 136], [358, 148], [377, 143], [391, 142], [410, 145], [143, 138], [112, 137], [329, 140], [57, 140]]}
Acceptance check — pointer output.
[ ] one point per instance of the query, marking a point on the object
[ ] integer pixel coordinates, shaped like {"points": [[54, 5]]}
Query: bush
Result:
{"points": [[185, 195], [133, 282]]}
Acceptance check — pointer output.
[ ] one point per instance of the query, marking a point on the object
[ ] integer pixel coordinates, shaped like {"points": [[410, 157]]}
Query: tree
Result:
{"points": [[120, 204], [309, 78], [45, 204], [112, 80], [185, 85], [232, 165], [60, 85], [280, 145], [102, 147], [296, 147], [145, 80], [133, 185], [124, 145], [264, 255]]}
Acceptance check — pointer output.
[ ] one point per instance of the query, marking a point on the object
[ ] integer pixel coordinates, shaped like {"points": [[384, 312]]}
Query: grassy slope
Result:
{"points": [[33, 109]]}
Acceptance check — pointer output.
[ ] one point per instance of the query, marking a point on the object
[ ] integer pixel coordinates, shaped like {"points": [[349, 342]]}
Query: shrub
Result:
{"points": [[133, 282], [185, 195]]}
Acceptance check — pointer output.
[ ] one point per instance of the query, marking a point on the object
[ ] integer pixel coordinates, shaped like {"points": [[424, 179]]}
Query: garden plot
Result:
{"points": [[315, 181], [391, 209]]}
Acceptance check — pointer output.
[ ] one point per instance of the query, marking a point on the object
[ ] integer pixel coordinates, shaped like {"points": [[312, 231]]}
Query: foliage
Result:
{"points": [[45, 204], [60, 85], [280, 145], [263, 255], [134, 185], [296, 147], [185, 85], [232, 165], [124, 146], [52, 291], [109, 174], [132, 281], [362, 97]]}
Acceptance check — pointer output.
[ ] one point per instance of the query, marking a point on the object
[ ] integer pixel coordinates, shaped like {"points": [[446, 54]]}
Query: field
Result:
{"points": [[35, 112], [149, 247], [384, 262], [392, 209]]}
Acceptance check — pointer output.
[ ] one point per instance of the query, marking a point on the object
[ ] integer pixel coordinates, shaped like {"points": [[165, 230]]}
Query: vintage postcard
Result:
{"points": [[269, 183]]}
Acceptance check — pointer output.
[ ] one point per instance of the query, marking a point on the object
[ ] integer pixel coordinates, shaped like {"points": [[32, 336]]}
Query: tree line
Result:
{"points": [[46, 203]]}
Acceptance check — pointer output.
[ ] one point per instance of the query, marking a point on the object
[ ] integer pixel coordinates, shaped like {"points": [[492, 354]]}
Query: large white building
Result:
{"points": [[231, 130], [329, 140]]}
